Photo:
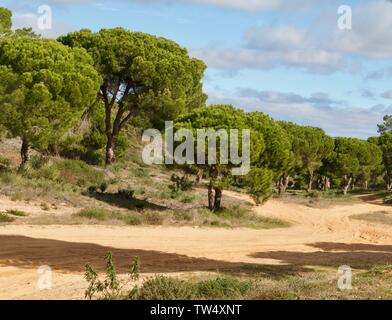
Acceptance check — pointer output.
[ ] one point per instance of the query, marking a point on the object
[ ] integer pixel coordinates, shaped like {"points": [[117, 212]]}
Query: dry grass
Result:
{"points": [[381, 217]]}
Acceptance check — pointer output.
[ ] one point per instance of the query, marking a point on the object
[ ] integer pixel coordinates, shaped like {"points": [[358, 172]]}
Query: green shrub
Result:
{"points": [[259, 184], [95, 213], [79, 173], [5, 165], [166, 288], [110, 288], [38, 161], [223, 288], [180, 183], [235, 212], [133, 220], [5, 218]]}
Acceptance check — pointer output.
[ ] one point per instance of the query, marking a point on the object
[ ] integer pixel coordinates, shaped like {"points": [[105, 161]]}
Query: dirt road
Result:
{"points": [[318, 237]]}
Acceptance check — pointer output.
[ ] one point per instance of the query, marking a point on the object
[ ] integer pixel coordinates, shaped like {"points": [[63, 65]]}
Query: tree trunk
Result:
{"points": [[218, 199], [110, 156], [389, 183], [326, 183], [347, 183], [366, 185], [310, 182], [283, 183], [24, 153], [210, 197]]}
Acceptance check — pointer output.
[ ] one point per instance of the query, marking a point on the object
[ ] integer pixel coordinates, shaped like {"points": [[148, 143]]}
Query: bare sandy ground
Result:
{"points": [[318, 238]]}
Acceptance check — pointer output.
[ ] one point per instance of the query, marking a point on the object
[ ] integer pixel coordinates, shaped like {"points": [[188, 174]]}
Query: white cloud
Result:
{"points": [[320, 47], [387, 94], [242, 4], [370, 36]]}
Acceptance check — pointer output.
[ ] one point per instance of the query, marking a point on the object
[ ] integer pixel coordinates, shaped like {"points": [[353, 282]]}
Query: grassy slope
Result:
{"points": [[128, 192]]}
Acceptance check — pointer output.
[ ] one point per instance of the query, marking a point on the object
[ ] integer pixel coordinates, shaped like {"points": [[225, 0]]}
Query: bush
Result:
{"points": [[133, 220], [38, 161], [180, 183], [235, 212], [259, 184], [94, 213], [5, 165], [223, 288], [78, 173], [5, 218], [110, 288], [166, 288]]}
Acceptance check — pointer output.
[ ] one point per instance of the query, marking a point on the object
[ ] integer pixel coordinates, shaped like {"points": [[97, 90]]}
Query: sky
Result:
{"points": [[286, 58]]}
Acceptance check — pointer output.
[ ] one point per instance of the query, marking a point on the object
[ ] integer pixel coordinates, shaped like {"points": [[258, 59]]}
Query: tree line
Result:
{"points": [[78, 95]]}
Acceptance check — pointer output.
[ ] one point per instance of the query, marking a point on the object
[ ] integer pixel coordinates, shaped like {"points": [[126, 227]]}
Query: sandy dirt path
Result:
{"points": [[318, 237]]}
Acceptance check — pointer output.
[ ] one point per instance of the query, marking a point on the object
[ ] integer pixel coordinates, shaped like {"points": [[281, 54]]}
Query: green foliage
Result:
{"points": [[223, 288], [88, 139], [5, 218], [5, 20], [259, 184], [165, 288], [224, 117], [159, 287], [353, 158], [180, 183], [94, 213], [149, 77], [5, 165], [44, 87], [110, 288], [385, 143], [79, 173], [310, 146], [386, 126], [277, 155]]}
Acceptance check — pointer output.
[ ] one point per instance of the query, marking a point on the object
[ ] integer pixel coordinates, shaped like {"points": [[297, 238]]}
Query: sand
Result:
{"points": [[318, 238]]}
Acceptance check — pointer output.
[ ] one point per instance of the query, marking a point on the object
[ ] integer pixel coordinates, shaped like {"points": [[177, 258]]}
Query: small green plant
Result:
{"points": [[5, 165], [5, 218], [180, 183], [133, 220], [223, 288], [166, 288], [38, 161], [94, 213], [110, 288]]}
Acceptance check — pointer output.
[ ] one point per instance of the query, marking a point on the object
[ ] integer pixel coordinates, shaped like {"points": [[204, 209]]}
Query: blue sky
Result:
{"points": [[287, 58]]}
